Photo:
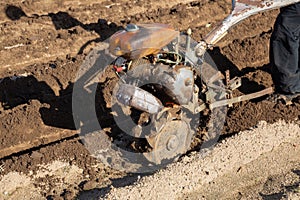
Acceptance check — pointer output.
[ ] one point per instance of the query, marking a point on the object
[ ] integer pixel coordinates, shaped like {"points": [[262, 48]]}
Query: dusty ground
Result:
{"points": [[231, 170], [42, 46]]}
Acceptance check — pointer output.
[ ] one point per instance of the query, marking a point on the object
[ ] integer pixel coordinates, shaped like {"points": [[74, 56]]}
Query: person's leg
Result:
{"points": [[284, 51]]}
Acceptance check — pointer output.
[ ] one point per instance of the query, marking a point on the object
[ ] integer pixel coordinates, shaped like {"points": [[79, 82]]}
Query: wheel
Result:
{"points": [[170, 140]]}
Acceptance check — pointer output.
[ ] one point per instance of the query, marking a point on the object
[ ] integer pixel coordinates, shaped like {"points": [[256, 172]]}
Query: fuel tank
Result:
{"points": [[137, 41]]}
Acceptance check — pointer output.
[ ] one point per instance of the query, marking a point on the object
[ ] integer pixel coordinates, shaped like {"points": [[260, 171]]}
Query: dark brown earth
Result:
{"points": [[42, 47]]}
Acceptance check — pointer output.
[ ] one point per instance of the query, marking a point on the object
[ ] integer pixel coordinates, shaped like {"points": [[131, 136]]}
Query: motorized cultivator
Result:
{"points": [[167, 80]]}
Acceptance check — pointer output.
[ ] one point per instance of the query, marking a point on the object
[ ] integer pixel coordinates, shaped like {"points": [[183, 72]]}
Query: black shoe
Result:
{"points": [[287, 99]]}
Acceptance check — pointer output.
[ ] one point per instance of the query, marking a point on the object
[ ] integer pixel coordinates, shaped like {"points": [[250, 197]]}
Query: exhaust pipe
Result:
{"points": [[138, 98]]}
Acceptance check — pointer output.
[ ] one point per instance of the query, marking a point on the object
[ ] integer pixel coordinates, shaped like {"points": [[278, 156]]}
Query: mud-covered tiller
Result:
{"points": [[168, 79]]}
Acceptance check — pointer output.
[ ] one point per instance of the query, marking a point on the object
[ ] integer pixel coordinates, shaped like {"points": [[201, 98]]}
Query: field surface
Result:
{"points": [[42, 46]]}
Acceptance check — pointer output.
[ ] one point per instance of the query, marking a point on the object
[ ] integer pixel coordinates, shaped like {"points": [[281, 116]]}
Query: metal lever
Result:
{"points": [[242, 9]]}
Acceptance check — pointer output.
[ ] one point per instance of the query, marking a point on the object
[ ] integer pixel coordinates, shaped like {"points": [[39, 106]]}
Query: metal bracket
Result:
{"points": [[241, 98], [235, 83]]}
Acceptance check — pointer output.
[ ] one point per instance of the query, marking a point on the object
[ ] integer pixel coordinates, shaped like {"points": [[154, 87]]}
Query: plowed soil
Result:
{"points": [[43, 43]]}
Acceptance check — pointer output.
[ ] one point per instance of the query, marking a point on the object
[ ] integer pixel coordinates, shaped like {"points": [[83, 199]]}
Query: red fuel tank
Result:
{"points": [[137, 41]]}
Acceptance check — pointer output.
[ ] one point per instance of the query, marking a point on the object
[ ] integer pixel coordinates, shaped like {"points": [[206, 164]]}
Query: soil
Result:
{"points": [[268, 170], [44, 44]]}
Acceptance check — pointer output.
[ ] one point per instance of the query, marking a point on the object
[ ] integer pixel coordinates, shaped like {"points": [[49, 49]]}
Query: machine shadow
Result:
{"points": [[223, 63], [55, 110]]}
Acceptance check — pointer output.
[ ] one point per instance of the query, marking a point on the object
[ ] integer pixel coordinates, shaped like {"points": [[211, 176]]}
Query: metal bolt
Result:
{"points": [[172, 143]]}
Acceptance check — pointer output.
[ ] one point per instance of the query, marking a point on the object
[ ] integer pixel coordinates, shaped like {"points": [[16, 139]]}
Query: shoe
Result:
{"points": [[287, 99]]}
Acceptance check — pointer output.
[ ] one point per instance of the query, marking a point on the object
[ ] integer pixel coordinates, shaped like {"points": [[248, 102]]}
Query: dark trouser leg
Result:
{"points": [[284, 51]]}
